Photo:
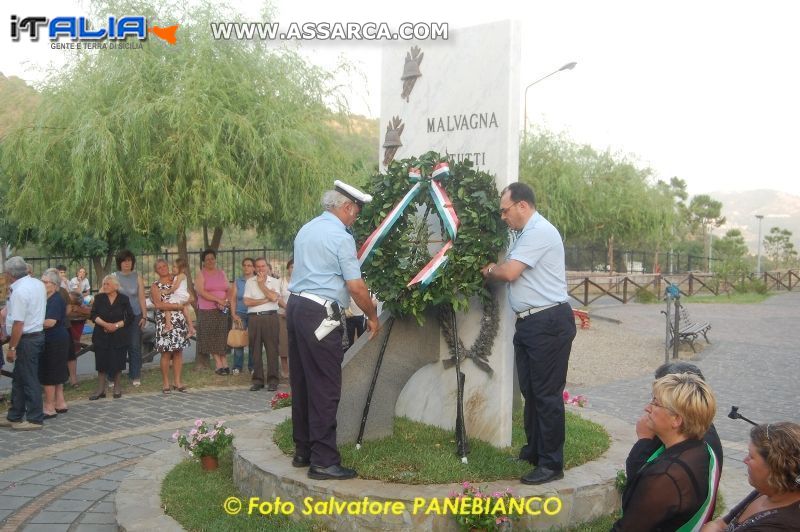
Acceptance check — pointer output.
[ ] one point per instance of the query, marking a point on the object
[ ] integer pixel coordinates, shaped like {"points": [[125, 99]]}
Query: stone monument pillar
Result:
{"points": [[458, 97]]}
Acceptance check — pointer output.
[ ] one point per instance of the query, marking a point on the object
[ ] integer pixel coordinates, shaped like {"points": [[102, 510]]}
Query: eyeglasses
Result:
{"points": [[504, 211], [655, 402]]}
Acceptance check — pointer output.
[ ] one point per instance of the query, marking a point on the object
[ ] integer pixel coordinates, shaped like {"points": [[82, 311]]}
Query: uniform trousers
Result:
{"points": [[542, 346], [315, 372], [263, 331]]}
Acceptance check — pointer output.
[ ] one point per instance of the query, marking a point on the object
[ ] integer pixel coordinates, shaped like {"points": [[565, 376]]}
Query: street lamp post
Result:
{"points": [[568, 66], [758, 260]]}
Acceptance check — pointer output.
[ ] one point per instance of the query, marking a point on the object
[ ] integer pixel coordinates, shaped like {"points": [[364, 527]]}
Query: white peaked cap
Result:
{"points": [[352, 192]]}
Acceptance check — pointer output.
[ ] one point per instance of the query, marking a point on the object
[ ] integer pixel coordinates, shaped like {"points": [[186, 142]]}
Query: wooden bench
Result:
{"points": [[689, 330], [583, 316]]}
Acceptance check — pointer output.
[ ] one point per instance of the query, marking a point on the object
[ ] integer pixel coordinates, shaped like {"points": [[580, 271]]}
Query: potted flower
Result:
{"points": [[490, 519], [281, 400], [206, 441]]}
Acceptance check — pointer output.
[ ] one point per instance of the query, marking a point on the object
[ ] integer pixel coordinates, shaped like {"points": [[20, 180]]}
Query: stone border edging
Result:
{"points": [[261, 470], [138, 500]]}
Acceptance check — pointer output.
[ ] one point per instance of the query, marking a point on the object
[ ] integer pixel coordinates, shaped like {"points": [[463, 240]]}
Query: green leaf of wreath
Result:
{"points": [[404, 251]]}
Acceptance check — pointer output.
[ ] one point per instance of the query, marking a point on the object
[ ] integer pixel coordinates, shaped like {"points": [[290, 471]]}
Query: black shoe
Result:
{"points": [[272, 387], [542, 475], [256, 387], [299, 461], [97, 396], [226, 371], [334, 472]]}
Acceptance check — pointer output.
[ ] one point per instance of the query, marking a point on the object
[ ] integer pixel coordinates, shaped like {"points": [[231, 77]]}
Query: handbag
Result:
{"points": [[237, 337]]}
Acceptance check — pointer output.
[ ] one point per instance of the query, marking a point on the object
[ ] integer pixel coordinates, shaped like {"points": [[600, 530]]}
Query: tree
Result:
{"points": [[779, 248], [594, 197], [202, 133], [705, 212], [731, 252]]}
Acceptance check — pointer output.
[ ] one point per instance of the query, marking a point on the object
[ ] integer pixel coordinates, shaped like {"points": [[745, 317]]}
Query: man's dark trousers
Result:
{"points": [[263, 330], [315, 373], [542, 346], [26, 392]]}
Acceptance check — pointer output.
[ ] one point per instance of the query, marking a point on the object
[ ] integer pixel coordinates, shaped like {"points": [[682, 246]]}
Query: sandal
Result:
{"points": [[166, 391], [117, 395], [181, 389]]}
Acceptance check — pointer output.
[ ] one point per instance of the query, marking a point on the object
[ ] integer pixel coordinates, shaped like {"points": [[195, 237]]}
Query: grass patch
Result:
{"points": [[601, 524], [194, 498], [737, 298], [422, 454]]}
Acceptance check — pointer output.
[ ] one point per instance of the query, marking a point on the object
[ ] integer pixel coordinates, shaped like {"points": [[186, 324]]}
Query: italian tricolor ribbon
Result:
{"points": [[446, 211]]}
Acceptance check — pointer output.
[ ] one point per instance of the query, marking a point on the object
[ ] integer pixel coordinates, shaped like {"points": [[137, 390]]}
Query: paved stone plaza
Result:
{"points": [[751, 363], [65, 476]]}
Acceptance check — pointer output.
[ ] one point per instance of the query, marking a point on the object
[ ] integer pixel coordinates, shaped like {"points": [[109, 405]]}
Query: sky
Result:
{"points": [[708, 91]]}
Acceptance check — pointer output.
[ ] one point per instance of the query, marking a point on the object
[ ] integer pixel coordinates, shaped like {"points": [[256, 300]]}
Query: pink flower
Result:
{"points": [[193, 432], [566, 395], [198, 422], [465, 485], [176, 435], [228, 432]]}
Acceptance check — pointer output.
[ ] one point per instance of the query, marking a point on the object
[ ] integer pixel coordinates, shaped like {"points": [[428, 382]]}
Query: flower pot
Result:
{"points": [[209, 463]]}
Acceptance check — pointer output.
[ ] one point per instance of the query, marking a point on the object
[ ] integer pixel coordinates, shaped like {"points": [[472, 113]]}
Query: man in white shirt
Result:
{"points": [[25, 325], [261, 294]]}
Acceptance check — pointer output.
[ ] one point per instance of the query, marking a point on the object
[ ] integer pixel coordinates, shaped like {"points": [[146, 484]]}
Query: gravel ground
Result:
{"points": [[610, 351]]}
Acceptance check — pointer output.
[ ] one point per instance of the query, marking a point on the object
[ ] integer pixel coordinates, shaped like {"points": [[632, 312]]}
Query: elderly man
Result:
{"points": [[261, 294], [537, 292], [25, 325], [326, 274]]}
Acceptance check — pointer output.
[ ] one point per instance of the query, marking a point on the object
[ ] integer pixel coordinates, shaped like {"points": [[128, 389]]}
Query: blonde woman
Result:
{"points": [[676, 487]]}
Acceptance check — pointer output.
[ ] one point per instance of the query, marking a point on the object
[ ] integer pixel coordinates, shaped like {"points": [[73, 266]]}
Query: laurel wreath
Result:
{"points": [[405, 250]]}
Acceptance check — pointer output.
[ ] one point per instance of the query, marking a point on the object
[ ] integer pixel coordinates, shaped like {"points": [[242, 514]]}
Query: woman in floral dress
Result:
{"points": [[170, 343]]}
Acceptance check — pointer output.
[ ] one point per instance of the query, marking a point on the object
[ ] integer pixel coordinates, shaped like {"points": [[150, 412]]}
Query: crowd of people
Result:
{"points": [[672, 471], [55, 309]]}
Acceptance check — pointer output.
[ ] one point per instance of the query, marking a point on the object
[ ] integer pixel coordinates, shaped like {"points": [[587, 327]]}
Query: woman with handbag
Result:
{"points": [[238, 334], [169, 342]]}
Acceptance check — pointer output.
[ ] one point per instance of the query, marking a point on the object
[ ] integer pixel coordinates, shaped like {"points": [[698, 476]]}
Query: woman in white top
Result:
{"points": [[80, 283]]}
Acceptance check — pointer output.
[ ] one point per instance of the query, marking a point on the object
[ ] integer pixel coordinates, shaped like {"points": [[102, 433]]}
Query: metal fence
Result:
{"points": [[228, 260], [583, 259]]}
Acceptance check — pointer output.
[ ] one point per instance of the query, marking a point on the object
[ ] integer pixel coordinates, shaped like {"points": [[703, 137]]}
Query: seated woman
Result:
{"points": [[773, 469], [676, 487]]}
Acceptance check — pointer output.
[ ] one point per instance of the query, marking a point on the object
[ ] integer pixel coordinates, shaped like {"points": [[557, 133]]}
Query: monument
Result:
{"points": [[460, 98]]}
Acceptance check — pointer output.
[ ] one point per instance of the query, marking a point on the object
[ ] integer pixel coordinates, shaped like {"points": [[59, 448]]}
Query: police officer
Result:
{"points": [[326, 274], [537, 292]]}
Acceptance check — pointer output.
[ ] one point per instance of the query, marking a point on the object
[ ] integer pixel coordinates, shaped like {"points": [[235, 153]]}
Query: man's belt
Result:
{"points": [[533, 310], [263, 313], [32, 334], [315, 298]]}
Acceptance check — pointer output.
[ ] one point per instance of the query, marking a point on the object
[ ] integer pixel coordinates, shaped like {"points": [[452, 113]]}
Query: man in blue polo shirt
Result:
{"points": [[326, 274], [537, 292]]}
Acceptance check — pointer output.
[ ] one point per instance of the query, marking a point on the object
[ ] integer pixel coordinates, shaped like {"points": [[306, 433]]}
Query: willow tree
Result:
{"points": [[594, 197], [202, 133]]}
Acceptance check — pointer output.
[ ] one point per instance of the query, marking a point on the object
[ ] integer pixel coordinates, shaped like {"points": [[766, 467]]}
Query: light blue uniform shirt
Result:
{"points": [[544, 281], [324, 258]]}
